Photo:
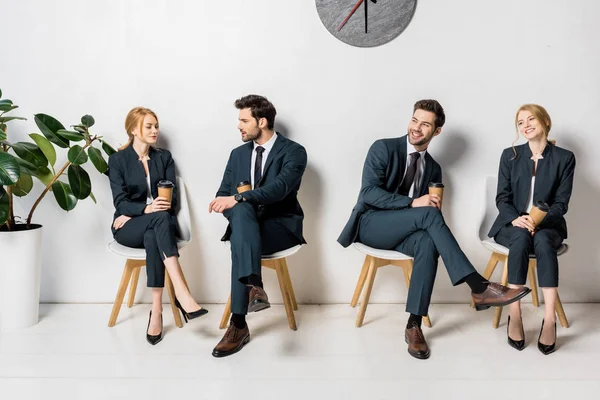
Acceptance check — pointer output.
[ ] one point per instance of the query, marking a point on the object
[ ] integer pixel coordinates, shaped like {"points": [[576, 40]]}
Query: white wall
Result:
{"points": [[189, 60]]}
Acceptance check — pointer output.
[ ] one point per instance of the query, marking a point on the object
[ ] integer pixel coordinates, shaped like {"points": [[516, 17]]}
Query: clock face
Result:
{"points": [[365, 23]]}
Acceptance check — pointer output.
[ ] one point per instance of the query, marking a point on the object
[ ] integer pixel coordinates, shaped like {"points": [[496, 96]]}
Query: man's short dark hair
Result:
{"points": [[260, 108], [434, 107]]}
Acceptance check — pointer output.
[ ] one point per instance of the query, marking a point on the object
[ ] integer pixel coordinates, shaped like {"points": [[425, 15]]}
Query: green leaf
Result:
{"points": [[6, 119], [30, 152], [97, 159], [6, 101], [9, 169], [80, 182], [49, 126], [77, 155], [0, 93], [23, 186], [108, 149], [88, 121], [64, 196], [45, 176], [93, 198], [45, 146], [70, 135], [7, 107], [79, 128], [33, 170], [2, 131], [3, 205]]}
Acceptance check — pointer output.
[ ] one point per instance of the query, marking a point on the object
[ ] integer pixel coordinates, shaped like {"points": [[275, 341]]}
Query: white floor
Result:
{"points": [[72, 354]]}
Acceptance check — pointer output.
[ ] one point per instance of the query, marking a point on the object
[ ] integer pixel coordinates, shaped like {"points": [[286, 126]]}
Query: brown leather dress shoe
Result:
{"points": [[417, 346], [233, 341], [497, 295], [257, 300]]}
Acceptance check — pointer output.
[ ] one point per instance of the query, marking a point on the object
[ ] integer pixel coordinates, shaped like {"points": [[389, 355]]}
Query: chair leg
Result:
{"points": [[172, 298], [361, 281], [226, 314], [133, 286], [290, 288], [289, 310], [498, 311], [129, 267], [367, 293], [533, 283], [562, 317]]}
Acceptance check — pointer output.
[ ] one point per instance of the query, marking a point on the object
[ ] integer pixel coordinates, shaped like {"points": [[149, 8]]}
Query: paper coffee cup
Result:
{"points": [[437, 188], [538, 212], [244, 187], [165, 189]]}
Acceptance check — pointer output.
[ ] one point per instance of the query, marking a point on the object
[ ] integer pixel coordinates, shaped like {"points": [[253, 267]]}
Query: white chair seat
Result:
{"points": [[378, 253], [492, 246], [275, 256], [136, 254]]}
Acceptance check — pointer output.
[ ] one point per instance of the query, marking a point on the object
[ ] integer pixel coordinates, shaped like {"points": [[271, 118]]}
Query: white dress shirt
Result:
{"points": [[420, 166], [268, 147]]}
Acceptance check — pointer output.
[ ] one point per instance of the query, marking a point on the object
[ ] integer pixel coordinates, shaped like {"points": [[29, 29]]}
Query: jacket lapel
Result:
{"points": [[424, 184], [246, 160], [280, 143]]}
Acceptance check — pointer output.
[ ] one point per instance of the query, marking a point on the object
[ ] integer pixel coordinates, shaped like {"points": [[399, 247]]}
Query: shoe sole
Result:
{"points": [[218, 354], [258, 306], [416, 355], [480, 307]]}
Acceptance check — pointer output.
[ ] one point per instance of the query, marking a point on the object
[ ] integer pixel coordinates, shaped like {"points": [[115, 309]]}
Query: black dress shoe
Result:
{"points": [[517, 344], [190, 315], [547, 348], [153, 340]]}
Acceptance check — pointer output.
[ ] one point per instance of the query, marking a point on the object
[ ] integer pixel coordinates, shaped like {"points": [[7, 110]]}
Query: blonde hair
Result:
{"points": [[541, 114], [134, 119]]}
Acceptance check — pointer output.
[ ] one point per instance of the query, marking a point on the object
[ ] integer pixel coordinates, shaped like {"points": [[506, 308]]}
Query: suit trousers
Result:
{"points": [[422, 234], [521, 244], [252, 237], [156, 233]]}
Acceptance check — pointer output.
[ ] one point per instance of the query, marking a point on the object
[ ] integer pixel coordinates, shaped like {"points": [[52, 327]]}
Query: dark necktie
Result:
{"points": [[411, 172], [258, 165]]}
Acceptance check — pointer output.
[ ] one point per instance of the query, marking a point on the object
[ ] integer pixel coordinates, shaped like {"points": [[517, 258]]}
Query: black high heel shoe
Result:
{"points": [[547, 348], [153, 340], [193, 314], [517, 344]]}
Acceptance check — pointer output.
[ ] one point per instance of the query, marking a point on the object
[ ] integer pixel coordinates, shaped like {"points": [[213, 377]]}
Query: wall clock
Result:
{"points": [[366, 23]]}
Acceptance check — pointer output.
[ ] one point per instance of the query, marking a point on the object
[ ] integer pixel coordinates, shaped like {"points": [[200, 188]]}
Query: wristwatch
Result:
{"points": [[238, 197]]}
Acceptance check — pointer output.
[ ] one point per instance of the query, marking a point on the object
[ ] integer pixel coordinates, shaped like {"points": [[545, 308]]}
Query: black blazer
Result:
{"points": [[276, 193], [128, 180], [553, 185], [382, 174]]}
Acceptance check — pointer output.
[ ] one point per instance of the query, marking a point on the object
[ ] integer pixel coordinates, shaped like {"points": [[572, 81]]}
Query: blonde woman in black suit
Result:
{"points": [[143, 219], [536, 171]]}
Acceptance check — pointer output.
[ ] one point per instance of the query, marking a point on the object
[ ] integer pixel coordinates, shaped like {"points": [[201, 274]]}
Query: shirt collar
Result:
{"points": [[269, 145], [411, 149]]}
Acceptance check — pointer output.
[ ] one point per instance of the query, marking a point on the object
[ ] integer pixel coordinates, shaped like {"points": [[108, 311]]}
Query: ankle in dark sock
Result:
{"points": [[255, 280], [476, 282], [238, 320], [414, 319]]}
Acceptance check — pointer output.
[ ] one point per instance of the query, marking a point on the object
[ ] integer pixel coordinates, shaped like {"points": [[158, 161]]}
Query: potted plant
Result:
{"points": [[20, 238]]}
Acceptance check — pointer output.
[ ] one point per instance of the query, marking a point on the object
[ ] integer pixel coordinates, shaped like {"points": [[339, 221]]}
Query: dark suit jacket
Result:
{"points": [[128, 180], [276, 194], [382, 174], [553, 185]]}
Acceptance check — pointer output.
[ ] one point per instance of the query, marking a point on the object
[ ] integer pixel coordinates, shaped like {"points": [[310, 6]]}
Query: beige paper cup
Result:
{"points": [[244, 187], [538, 212], [165, 189], [437, 188]]}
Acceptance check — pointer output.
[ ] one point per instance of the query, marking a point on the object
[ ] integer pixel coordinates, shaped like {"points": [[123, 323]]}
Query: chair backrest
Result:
{"points": [[490, 210], [183, 213]]}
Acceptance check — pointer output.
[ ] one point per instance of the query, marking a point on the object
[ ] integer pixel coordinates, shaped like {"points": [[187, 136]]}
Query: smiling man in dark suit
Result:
{"points": [[395, 212], [263, 220]]}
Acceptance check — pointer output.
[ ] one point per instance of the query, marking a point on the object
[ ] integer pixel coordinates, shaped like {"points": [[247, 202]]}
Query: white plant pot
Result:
{"points": [[20, 274]]}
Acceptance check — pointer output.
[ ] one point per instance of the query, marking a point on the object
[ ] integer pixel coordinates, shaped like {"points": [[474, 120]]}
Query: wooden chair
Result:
{"points": [[276, 261], [376, 258], [500, 254], [136, 259]]}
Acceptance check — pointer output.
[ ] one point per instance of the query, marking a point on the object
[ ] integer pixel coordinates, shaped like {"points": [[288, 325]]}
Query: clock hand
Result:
{"points": [[349, 15]]}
